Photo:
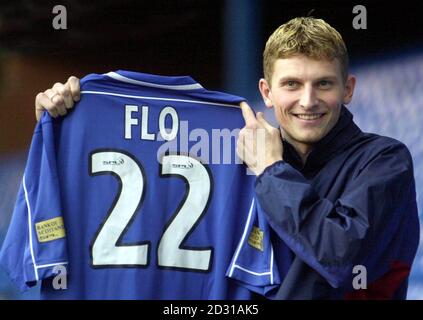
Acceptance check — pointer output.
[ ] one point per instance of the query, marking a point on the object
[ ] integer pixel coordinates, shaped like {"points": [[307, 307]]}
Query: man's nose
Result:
{"points": [[308, 99]]}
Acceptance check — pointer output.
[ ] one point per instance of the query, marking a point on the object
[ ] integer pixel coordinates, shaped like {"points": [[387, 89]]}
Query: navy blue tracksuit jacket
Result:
{"points": [[353, 203]]}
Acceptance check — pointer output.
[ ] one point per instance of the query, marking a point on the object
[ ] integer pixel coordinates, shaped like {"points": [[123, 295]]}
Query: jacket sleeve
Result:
{"points": [[334, 236]]}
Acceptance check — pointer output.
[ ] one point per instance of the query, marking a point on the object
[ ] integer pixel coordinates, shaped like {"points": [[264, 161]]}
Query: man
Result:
{"points": [[341, 201]]}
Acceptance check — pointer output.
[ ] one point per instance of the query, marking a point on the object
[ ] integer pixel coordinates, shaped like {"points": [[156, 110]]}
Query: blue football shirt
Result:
{"points": [[254, 264], [136, 194]]}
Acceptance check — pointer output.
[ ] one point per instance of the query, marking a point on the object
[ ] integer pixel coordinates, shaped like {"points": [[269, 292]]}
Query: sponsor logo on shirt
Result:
{"points": [[49, 230], [256, 238]]}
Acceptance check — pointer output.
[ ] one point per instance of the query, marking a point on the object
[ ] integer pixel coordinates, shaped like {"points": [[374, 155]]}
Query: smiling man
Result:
{"points": [[306, 94], [335, 198]]}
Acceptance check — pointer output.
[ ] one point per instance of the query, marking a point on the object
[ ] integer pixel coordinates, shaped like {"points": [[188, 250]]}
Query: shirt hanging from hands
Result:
{"points": [[136, 194]]}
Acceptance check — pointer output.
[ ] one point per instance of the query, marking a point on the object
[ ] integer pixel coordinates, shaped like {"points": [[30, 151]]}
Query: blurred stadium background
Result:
{"points": [[219, 43]]}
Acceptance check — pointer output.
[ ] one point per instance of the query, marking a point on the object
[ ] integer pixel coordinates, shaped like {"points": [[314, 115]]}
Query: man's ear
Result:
{"points": [[349, 89], [266, 93]]}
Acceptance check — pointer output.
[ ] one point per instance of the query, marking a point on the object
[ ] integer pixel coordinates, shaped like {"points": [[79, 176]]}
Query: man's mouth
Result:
{"points": [[309, 116]]}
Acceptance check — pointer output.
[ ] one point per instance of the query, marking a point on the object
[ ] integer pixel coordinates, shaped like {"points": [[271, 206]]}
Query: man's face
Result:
{"points": [[307, 95]]}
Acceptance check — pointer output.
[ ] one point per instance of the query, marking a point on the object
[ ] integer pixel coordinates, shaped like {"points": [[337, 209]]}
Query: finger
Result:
{"points": [[43, 102], [240, 145], [248, 114], [56, 88], [246, 133], [40, 101], [58, 107], [247, 157], [243, 152], [263, 122], [75, 88], [247, 141], [240, 152], [65, 92]]}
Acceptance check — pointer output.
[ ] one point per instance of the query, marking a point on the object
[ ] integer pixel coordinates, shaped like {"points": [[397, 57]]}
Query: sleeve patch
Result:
{"points": [[255, 238], [49, 230]]}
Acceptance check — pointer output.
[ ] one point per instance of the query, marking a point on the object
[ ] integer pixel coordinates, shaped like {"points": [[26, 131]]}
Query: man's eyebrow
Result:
{"points": [[328, 77], [289, 78], [320, 78]]}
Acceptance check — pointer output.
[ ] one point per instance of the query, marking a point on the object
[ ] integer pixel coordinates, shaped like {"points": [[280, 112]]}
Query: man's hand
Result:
{"points": [[259, 144], [58, 99]]}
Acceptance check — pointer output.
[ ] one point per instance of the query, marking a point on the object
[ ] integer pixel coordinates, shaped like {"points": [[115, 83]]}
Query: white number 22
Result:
{"points": [[105, 251]]}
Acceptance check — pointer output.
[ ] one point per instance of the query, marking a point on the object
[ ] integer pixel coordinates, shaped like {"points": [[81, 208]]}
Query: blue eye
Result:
{"points": [[325, 83], [291, 83]]}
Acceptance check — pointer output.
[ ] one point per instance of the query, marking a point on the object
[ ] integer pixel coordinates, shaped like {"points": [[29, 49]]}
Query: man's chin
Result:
{"points": [[309, 139]]}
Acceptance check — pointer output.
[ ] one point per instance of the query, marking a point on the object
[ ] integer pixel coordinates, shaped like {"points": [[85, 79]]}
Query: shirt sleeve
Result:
{"points": [[253, 264], [361, 226], [35, 242]]}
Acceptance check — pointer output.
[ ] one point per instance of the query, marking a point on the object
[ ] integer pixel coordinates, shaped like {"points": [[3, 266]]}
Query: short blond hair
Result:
{"points": [[309, 36]]}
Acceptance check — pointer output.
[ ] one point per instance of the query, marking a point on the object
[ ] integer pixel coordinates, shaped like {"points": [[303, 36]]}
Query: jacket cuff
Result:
{"points": [[274, 167]]}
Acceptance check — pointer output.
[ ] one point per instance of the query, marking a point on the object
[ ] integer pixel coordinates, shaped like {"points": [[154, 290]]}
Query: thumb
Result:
{"points": [[39, 113]]}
